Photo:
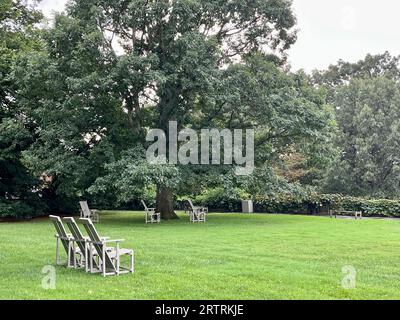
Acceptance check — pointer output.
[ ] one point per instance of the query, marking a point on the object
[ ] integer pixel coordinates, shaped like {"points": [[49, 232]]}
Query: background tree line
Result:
{"points": [[76, 107]]}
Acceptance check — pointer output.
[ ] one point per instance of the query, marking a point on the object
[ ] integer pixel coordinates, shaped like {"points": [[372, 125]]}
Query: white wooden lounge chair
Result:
{"points": [[196, 214], [66, 241], [87, 213], [204, 209], [109, 259], [150, 214], [82, 242]]}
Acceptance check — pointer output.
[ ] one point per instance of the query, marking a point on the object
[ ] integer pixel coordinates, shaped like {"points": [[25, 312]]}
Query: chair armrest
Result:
{"points": [[69, 238], [113, 240], [86, 238], [101, 238]]}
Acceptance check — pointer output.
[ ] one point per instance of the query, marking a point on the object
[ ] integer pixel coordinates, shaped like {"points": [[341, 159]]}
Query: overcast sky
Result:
{"points": [[330, 30]]}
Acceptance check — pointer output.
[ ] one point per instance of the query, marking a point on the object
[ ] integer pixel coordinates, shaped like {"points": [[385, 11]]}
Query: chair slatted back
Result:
{"points": [[85, 209], [61, 232], [94, 236], [144, 205], [191, 204], [76, 233]]}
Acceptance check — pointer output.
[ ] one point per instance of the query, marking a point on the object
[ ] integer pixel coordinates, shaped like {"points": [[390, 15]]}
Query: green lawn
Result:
{"points": [[232, 256]]}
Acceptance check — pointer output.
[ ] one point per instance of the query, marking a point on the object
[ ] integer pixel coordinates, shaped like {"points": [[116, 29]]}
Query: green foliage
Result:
{"points": [[371, 66], [369, 207], [18, 36], [89, 104], [368, 112], [298, 201], [365, 97], [25, 209], [20, 209], [287, 113], [314, 203], [132, 178], [219, 199], [78, 126], [179, 62], [84, 110]]}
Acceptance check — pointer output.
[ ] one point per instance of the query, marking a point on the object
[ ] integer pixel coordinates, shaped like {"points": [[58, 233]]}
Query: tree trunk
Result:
{"points": [[165, 203]]}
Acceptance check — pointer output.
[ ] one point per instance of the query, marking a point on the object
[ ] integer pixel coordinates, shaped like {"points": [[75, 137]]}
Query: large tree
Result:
{"points": [[116, 69], [173, 52], [79, 123], [18, 35]]}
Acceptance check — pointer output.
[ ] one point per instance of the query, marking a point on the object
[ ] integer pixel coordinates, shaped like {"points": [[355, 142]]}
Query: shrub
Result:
{"points": [[307, 203], [19, 209], [217, 199]]}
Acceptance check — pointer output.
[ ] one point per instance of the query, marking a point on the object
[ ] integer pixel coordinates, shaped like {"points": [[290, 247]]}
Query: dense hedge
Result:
{"points": [[219, 200], [19, 209], [321, 203], [310, 203]]}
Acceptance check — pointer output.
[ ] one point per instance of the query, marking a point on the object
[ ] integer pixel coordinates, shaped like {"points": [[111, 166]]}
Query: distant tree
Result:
{"points": [[343, 72], [368, 113], [365, 100]]}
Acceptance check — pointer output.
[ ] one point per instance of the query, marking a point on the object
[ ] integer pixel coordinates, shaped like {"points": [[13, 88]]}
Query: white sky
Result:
{"points": [[330, 30]]}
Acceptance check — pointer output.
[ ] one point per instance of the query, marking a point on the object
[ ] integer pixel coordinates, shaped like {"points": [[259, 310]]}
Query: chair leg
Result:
{"points": [[58, 252], [91, 258], [71, 256], [86, 257], [132, 262], [118, 259], [102, 262]]}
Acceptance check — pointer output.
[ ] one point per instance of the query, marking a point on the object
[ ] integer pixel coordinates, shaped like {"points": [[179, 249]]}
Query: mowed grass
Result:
{"points": [[231, 256]]}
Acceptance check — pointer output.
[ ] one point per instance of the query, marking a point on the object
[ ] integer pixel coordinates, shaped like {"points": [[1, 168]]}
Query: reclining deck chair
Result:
{"points": [[196, 214], [150, 214], [87, 213], [83, 243], [109, 259], [66, 241]]}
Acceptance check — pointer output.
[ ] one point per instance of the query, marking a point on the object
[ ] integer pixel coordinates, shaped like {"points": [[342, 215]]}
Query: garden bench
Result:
{"points": [[356, 214]]}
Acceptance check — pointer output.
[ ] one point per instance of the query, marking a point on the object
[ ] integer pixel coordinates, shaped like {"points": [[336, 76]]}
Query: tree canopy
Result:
{"points": [[18, 35], [368, 140]]}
